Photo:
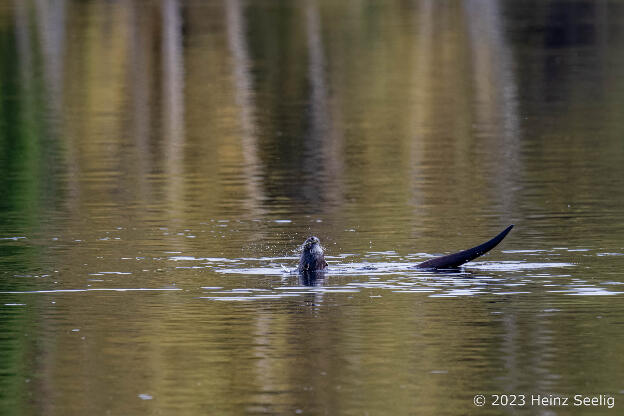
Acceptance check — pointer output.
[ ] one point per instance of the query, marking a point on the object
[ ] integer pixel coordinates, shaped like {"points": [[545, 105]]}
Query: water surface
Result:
{"points": [[162, 161]]}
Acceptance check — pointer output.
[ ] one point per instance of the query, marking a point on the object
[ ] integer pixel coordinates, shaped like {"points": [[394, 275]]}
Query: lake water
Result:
{"points": [[161, 162]]}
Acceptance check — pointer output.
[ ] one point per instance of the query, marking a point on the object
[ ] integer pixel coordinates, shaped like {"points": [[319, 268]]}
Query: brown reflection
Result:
{"points": [[464, 125], [173, 104], [244, 95], [439, 100], [323, 151], [141, 77], [419, 110], [495, 99]]}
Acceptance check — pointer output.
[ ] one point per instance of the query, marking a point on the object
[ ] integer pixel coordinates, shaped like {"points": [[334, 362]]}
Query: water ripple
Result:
{"points": [[140, 289]]}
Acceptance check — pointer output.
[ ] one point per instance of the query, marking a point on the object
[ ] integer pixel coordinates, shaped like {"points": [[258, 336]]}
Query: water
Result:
{"points": [[162, 161]]}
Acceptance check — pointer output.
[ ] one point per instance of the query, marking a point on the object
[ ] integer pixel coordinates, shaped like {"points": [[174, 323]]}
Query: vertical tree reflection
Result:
{"points": [[173, 102], [495, 97], [322, 148], [244, 94], [51, 29], [140, 78]]}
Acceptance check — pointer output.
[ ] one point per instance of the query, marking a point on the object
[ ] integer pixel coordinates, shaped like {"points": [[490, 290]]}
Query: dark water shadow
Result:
{"points": [[315, 278]]}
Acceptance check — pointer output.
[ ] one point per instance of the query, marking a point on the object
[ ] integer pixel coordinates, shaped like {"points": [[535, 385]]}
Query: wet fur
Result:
{"points": [[312, 256]]}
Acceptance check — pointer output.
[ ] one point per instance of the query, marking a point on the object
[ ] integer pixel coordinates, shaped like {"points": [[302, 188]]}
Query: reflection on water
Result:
{"points": [[161, 161]]}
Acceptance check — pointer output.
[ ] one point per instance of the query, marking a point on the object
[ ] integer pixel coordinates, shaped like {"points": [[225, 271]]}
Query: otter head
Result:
{"points": [[310, 242], [312, 258]]}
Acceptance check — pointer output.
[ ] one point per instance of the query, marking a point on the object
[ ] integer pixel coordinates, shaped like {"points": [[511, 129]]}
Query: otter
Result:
{"points": [[312, 258]]}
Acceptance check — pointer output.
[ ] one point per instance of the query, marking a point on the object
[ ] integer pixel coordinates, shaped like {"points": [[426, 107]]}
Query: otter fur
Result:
{"points": [[312, 257]]}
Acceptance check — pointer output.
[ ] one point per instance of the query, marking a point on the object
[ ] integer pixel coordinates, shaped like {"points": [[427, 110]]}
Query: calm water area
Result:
{"points": [[161, 162]]}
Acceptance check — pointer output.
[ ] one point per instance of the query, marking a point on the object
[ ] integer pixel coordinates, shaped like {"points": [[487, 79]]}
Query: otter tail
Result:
{"points": [[457, 259]]}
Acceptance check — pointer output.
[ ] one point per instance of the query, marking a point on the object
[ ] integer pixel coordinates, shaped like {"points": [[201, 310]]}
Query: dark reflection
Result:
{"points": [[316, 278], [457, 272], [564, 23]]}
